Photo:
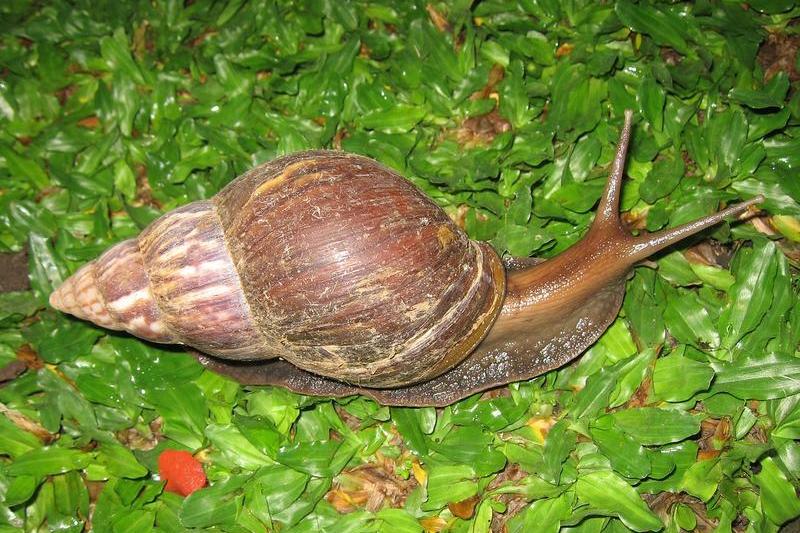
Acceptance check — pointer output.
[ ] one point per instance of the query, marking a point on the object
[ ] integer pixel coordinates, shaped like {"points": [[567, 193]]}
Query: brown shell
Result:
{"points": [[326, 259], [359, 273]]}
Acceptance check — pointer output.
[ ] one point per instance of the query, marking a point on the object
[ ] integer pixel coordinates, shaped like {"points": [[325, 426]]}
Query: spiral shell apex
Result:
{"points": [[175, 283], [326, 259], [98, 293]]}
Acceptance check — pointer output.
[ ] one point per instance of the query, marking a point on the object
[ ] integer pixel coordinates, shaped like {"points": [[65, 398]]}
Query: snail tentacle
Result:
{"points": [[644, 246], [608, 208]]}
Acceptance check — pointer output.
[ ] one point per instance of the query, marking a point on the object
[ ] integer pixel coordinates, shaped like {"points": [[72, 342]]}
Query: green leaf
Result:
{"points": [[320, 458], [53, 338], [494, 415], [398, 520], [772, 94], [618, 340], [449, 484], [545, 515], [627, 456], [645, 291], [399, 119], [136, 521], [575, 97], [19, 303], [120, 461], [23, 168], [786, 415], [689, 322], [71, 494], [261, 433], [558, 444], [651, 102], [47, 461], [631, 380], [238, 449], [702, 479], [650, 425], [664, 28], [124, 180], [195, 159], [662, 179], [276, 404], [584, 158], [217, 505], [677, 378], [595, 395], [184, 411], [778, 495], [469, 445], [726, 134], [48, 272], [770, 376], [21, 489], [685, 517], [609, 494], [514, 103], [718, 278], [315, 490], [750, 295], [292, 483], [117, 54], [15, 441], [410, 424]]}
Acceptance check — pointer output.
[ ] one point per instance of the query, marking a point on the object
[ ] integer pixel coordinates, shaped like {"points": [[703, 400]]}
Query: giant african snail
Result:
{"points": [[328, 274]]}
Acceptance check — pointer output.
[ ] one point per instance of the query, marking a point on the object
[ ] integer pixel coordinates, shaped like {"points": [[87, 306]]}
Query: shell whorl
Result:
{"points": [[113, 291], [175, 283]]}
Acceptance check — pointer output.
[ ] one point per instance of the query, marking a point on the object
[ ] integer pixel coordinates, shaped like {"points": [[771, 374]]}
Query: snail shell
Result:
{"points": [[326, 259]]}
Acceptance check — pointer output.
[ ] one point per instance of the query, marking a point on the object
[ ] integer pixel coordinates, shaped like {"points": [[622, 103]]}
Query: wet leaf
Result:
{"points": [[750, 294], [46, 461], [558, 444], [665, 28], [690, 323], [769, 376], [677, 378], [217, 505], [781, 503], [650, 425], [608, 493], [627, 456], [449, 484], [546, 514]]}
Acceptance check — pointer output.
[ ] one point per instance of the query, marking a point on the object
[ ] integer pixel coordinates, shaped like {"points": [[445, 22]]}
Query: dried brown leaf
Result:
{"points": [[779, 53], [438, 20], [27, 424], [370, 486], [464, 509]]}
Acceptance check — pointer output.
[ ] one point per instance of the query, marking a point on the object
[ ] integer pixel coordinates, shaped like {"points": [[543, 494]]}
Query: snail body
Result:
{"points": [[326, 273]]}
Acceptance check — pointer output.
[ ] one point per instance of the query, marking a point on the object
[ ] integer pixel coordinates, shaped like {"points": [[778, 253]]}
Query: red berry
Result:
{"points": [[183, 473]]}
